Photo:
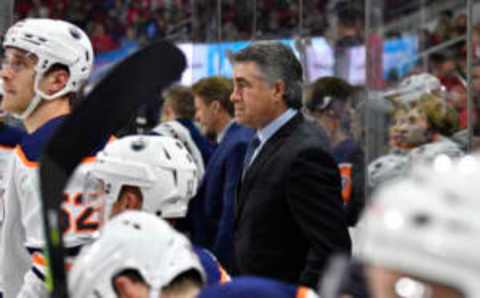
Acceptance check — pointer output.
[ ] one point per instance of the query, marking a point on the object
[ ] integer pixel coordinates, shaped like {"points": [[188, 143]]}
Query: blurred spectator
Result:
{"points": [[129, 39], [57, 9], [349, 26], [156, 26], [444, 28], [476, 79], [457, 97], [101, 40], [445, 67], [476, 99], [460, 25], [39, 10]]}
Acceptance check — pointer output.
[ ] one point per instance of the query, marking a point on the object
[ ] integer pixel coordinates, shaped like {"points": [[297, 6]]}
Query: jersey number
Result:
{"points": [[82, 221]]}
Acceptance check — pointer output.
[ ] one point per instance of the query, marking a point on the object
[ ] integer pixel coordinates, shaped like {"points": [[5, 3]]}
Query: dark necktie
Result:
{"points": [[254, 143]]}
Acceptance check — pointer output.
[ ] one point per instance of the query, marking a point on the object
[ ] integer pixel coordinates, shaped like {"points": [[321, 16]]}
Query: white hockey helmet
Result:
{"points": [[386, 168], [52, 42], [427, 225], [413, 87], [133, 240], [426, 154], [176, 130], [160, 166]]}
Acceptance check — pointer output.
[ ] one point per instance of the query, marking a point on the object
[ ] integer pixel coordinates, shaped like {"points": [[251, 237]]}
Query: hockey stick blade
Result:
{"points": [[105, 110]]}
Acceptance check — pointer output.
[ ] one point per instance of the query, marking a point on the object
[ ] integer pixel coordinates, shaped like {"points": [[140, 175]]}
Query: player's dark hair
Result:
{"points": [[186, 279], [180, 99], [131, 274]]}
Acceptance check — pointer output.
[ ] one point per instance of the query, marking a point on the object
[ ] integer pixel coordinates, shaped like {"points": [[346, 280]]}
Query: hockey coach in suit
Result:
{"points": [[288, 214]]}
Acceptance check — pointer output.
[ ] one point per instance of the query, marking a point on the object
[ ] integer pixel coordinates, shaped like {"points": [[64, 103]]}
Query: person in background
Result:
{"points": [[423, 127], [179, 106], [330, 105], [212, 211], [177, 121]]}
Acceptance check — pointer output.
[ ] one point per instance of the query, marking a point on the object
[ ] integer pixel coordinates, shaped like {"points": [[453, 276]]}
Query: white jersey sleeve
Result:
{"points": [[24, 250], [14, 258], [33, 287]]}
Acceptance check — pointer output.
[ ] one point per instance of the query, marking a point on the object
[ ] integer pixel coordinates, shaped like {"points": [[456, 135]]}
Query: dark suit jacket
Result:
{"points": [[289, 217], [214, 204]]}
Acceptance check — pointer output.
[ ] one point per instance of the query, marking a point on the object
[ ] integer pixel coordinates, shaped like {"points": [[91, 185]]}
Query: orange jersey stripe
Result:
{"points": [[23, 158], [40, 261], [224, 277], [302, 292], [7, 148], [346, 174]]}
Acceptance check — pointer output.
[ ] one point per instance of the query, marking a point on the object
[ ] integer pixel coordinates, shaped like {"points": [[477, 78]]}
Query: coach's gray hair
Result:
{"points": [[276, 61]]}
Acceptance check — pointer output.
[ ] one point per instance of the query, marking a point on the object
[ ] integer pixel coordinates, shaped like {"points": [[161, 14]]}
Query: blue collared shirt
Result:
{"points": [[268, 131]]}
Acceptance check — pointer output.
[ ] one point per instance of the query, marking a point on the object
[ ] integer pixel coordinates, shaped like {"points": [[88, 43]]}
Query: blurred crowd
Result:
{"points": [[114, 23]]}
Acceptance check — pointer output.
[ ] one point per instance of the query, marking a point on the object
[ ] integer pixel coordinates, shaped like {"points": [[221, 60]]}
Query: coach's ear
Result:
{"points": [[127, 288]]}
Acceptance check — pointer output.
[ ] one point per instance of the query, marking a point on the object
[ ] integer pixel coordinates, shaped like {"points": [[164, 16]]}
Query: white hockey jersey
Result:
{"points": [[22, 239], [9, 138]]}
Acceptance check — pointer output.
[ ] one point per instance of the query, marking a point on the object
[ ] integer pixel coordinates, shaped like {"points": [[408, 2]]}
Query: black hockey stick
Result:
{"points": [[106, 109]]}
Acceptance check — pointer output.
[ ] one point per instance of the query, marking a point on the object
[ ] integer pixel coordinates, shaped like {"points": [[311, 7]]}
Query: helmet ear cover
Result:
{"points": [[160, 167]]}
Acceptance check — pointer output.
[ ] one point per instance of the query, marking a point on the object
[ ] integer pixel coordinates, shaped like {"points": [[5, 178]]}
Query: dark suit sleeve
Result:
{"points": [[314, 198], [223, 245]]}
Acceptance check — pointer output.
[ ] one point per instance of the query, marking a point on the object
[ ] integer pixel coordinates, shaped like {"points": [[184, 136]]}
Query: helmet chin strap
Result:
{"points": [[31, 107], [39, 95]]}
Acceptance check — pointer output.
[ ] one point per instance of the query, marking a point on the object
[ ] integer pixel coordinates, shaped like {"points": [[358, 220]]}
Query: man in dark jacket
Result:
{"points": [[289, 217]]}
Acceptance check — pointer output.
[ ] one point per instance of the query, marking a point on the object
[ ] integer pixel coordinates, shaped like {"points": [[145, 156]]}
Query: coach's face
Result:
{"points": [[256, 101]]}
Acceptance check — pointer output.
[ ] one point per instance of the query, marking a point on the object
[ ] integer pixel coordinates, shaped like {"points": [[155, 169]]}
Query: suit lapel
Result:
{"points": [[267, 151]]}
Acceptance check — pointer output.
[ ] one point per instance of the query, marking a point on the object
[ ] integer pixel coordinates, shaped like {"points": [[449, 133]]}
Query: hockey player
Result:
{"points": [[9, 137], [137, 255], [155, 174], [46, 63], [420, 234]]}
